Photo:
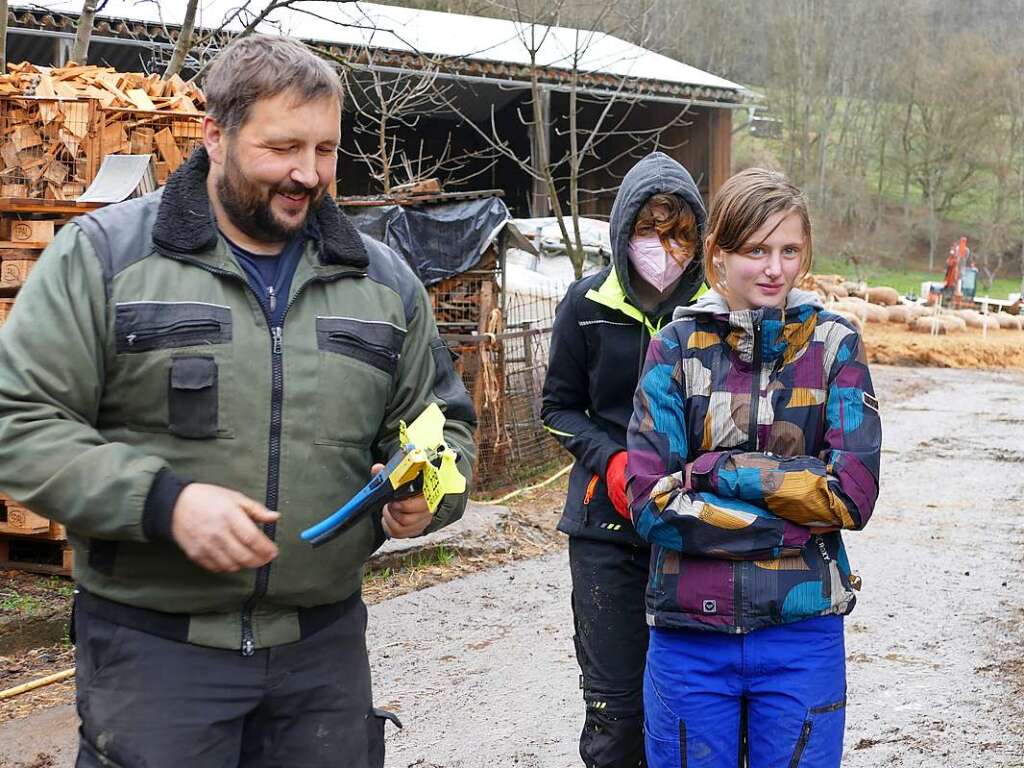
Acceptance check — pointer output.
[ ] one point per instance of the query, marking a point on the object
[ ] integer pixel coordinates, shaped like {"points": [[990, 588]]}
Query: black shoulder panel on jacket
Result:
{"points": [[388, 268], [448, 384], [121, 234]]}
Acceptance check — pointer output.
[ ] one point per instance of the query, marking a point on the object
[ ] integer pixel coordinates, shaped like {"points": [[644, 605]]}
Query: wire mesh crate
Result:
{"points": [[48, 147], [169, 136]]}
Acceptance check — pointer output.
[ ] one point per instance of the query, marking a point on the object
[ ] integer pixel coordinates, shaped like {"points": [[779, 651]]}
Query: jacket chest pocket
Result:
{"points": [[358, 364], [173, 366]]}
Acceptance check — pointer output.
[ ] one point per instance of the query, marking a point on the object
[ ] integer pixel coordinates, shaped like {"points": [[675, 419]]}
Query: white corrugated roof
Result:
{"points": [[430, 32]]}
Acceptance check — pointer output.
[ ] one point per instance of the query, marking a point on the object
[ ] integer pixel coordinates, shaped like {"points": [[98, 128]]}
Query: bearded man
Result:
{"points": [[190, 379]]}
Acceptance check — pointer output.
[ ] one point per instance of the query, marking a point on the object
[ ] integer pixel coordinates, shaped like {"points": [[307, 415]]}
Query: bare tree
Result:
{"points": [[253, 13], [80, 52], [558, 180], [389, 107], [184, 42], [954, 105]]}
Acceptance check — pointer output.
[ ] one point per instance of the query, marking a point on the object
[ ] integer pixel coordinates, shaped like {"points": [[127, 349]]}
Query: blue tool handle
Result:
{"points": [[342, 516], [375, 492]]}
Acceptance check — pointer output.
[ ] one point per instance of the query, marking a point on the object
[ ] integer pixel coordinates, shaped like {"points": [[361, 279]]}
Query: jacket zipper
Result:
{"points": [[274, 462], [380, 349], [755, 402], [248, 645], [591, 487], [826, 577], [755, 386], [179, 327], [273, 473]]}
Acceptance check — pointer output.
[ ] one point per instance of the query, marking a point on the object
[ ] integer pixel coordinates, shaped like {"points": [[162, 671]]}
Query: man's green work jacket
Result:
{"points": [[137, 358]]}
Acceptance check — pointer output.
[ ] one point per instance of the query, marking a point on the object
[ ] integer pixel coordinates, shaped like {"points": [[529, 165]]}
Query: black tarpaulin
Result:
{"points": [[438, 240]]}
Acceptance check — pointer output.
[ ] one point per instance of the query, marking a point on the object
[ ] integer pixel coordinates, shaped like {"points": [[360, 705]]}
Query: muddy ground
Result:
{"points": [[481, 668]]}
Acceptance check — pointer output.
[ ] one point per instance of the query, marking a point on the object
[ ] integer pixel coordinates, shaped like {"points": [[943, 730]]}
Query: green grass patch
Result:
{"points": [[426, 558], [15, 602], [381, 574], [61, 586], [908, 282]]}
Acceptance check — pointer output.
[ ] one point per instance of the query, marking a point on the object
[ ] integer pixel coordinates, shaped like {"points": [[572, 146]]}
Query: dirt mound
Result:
{"points": [[827, 286], [981, 321], [893, 345], [868, 313], [857, 290], [852, 318]]}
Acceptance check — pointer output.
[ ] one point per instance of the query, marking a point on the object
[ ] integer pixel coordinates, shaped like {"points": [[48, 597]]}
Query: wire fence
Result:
{"points": [[502, 357]]}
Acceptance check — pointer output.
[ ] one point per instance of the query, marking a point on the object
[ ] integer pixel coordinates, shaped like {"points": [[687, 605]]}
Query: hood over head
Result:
{"points": [[655, 174]]}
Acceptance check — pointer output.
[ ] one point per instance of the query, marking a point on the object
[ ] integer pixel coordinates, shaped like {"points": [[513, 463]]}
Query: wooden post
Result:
{"points": [[719, 149]]}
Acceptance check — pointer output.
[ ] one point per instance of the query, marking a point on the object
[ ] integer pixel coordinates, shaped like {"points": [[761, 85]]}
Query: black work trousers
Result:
{"points": [[608, 583], [148, 701]]}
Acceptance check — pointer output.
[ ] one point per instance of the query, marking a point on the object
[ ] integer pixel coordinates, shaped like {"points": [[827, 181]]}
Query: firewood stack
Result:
{"points": [[56, 125]]}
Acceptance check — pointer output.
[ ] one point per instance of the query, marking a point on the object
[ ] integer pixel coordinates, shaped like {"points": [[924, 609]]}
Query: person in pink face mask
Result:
{"points": [[600, 336]]}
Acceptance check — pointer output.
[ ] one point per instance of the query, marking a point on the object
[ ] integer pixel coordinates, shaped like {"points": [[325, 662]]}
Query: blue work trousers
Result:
{"points": [[777, 695]]}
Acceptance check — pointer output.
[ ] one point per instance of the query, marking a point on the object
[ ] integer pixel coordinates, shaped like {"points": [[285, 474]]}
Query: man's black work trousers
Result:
{"points": [[148, 701], [608, 582]]}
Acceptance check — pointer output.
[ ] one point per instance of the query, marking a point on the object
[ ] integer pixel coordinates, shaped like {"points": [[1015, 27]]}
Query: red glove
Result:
{"points": [[615, 479]]}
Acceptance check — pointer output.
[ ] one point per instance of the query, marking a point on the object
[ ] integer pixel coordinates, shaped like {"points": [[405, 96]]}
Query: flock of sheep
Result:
{"points": [[861, 304]]}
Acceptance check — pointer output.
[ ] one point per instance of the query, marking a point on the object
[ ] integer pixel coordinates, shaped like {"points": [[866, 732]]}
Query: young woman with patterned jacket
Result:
{"points": [[755, 439], [601, 331]]}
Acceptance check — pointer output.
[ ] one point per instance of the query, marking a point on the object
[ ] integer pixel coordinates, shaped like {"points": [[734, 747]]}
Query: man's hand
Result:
{"points": [[406, 518], [218, 528]]}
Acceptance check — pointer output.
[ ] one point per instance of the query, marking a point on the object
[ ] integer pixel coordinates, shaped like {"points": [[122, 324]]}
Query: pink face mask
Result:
{"points": [[653, 263]]}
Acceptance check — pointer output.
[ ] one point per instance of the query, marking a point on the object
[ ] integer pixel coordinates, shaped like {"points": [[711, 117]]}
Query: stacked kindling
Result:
{"points": [[57, 124]]}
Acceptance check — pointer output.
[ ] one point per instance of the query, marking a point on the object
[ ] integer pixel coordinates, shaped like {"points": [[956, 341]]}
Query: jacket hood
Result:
{"points": [[656, 173], [779, 332], [185, 220]]}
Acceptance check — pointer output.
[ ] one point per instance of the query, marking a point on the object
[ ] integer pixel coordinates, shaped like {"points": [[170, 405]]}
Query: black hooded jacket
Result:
{"points": [[598, 345]]}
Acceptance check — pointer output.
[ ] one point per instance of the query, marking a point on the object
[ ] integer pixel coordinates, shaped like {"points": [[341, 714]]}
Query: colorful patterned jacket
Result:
{"points": [[756, 541]]}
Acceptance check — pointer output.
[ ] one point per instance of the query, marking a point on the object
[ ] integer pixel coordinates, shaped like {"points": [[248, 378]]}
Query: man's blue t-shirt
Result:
{"points": [[271, 276]]}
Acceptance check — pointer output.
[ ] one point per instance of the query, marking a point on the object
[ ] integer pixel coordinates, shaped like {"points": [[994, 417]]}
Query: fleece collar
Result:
{"points": [[185, 222]]}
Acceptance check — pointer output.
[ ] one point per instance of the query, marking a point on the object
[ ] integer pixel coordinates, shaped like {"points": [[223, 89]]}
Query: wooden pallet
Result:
{"points": [[61, 208], [19, 520], [31, 542], [36, 555], [15, 266]]}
